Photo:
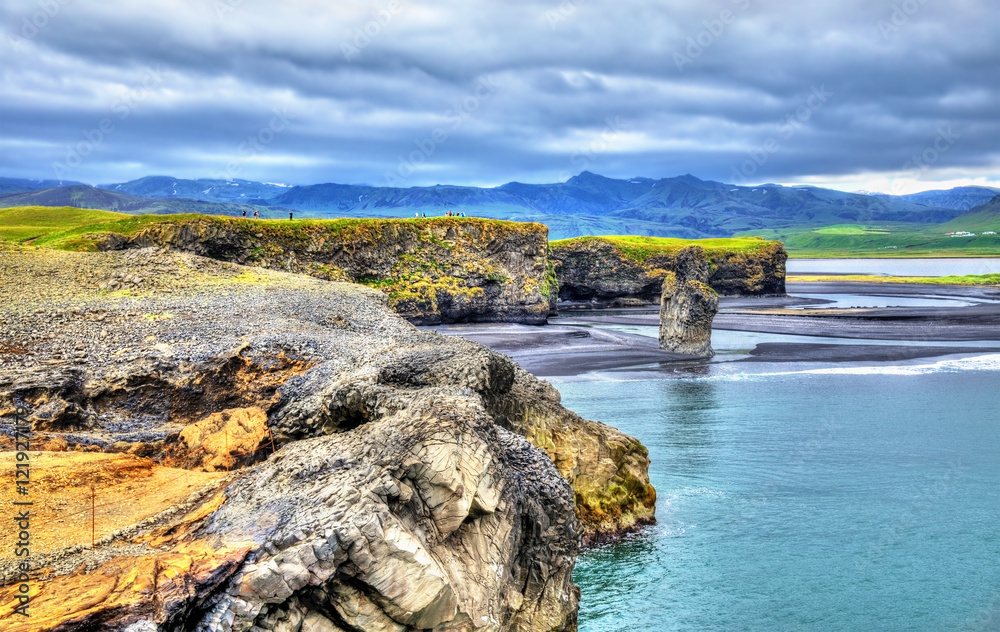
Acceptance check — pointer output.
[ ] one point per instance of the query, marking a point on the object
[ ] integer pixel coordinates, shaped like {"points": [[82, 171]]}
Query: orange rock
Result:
{"points": [[221, 441], [157, 587]]}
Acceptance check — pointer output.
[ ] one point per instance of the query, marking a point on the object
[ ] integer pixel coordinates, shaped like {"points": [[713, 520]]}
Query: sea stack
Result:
{"points": [[688, 306]]}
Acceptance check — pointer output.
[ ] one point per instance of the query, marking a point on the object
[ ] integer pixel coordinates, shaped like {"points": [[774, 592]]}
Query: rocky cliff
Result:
{"points": [[363, 475], [688, 306], [437, 270], [630, 271]]}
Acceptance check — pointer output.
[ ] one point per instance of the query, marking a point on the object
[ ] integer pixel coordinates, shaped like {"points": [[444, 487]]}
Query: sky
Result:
{"points": [[894, 96]]}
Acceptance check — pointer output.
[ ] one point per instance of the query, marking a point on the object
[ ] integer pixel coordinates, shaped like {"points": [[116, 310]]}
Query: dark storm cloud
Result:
{"points": [[477, 92]]}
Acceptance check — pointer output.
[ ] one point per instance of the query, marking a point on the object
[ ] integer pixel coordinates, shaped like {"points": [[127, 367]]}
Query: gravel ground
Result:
{"points": [[57, 307], [100, 319]]}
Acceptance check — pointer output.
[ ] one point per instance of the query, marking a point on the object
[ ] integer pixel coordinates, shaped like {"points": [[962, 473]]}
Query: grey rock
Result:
{"points": [[688, 306]]}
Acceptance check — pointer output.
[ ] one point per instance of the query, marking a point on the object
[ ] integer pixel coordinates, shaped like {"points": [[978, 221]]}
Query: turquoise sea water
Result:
{"points": [[805, 498]]}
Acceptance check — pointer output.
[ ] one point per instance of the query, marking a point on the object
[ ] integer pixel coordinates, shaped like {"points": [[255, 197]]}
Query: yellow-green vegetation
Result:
{"points": [[68, 228], [616, 506], [29, 224], [891, 240], [418, 278], [421, 263], [971, 279], [642, 248]]}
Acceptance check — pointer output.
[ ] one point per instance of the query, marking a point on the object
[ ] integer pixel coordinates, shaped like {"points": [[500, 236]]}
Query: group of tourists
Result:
{"points": [[448, 214], [256, 214]]}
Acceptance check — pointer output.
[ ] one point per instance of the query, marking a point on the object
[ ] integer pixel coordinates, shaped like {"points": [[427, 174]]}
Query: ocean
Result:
{"points": [[804, 497]]}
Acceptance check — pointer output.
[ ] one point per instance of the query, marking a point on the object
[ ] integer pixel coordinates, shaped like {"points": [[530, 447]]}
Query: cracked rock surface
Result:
{"points": [[382, 477]]}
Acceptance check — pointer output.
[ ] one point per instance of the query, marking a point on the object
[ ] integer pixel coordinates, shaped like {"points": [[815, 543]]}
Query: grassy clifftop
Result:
{"points": [[70, 228], [626, 269], [440, 269], [642, 248]]}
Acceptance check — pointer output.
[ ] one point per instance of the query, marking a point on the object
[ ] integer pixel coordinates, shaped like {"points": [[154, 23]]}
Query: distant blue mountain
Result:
{"points": [[234, 191], [86, 196], [22, 185], [962, 198], [682, 206]]}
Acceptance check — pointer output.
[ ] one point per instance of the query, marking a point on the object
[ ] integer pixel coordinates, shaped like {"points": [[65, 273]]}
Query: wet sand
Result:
{"points": [[980, 321], [573, 343]]}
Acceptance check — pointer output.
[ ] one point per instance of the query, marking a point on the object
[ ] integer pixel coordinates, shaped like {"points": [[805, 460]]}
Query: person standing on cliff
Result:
{"points": [[244, 212], [256, 214], [289, 214]]}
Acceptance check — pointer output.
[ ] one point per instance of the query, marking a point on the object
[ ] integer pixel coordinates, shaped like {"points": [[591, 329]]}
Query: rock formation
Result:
{"points": [[600, 272], [381, 479], [688, 306], [439, 270]]}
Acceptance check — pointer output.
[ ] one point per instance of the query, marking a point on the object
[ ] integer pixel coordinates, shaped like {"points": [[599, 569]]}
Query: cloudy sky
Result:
{"points": [[889, 95]]}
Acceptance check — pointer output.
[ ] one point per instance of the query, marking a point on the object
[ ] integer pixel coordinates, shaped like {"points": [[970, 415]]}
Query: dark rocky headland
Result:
{"points": [[629, 272], [341, 469], [437, 270], [270, 445]]}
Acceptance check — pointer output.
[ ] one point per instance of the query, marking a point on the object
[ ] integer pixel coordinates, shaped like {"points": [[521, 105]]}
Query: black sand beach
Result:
{"points": [[575, 342]]}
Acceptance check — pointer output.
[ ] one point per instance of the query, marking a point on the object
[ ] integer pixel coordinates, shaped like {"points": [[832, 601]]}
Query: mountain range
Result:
{"points": [[586, 204]]}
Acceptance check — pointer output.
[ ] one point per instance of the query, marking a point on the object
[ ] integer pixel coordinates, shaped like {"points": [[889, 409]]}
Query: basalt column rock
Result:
{"points": [[688, 306]]}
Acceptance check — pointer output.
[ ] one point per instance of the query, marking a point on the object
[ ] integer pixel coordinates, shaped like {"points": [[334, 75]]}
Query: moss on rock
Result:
{"points": [[609, 269]]}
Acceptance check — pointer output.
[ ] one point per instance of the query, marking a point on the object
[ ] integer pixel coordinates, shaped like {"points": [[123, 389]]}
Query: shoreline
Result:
{"points": [[575, 342]]}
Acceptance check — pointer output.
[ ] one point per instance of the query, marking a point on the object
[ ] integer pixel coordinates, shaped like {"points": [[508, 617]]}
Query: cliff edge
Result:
{"points": [[436, 270], [272, 451], [629, 271]]}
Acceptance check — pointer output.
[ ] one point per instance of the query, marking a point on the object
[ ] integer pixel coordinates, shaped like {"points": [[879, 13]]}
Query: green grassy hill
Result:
{"points": [[898, 239], [983, 218], [29, 224], [886, 240], [66, 227]]}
